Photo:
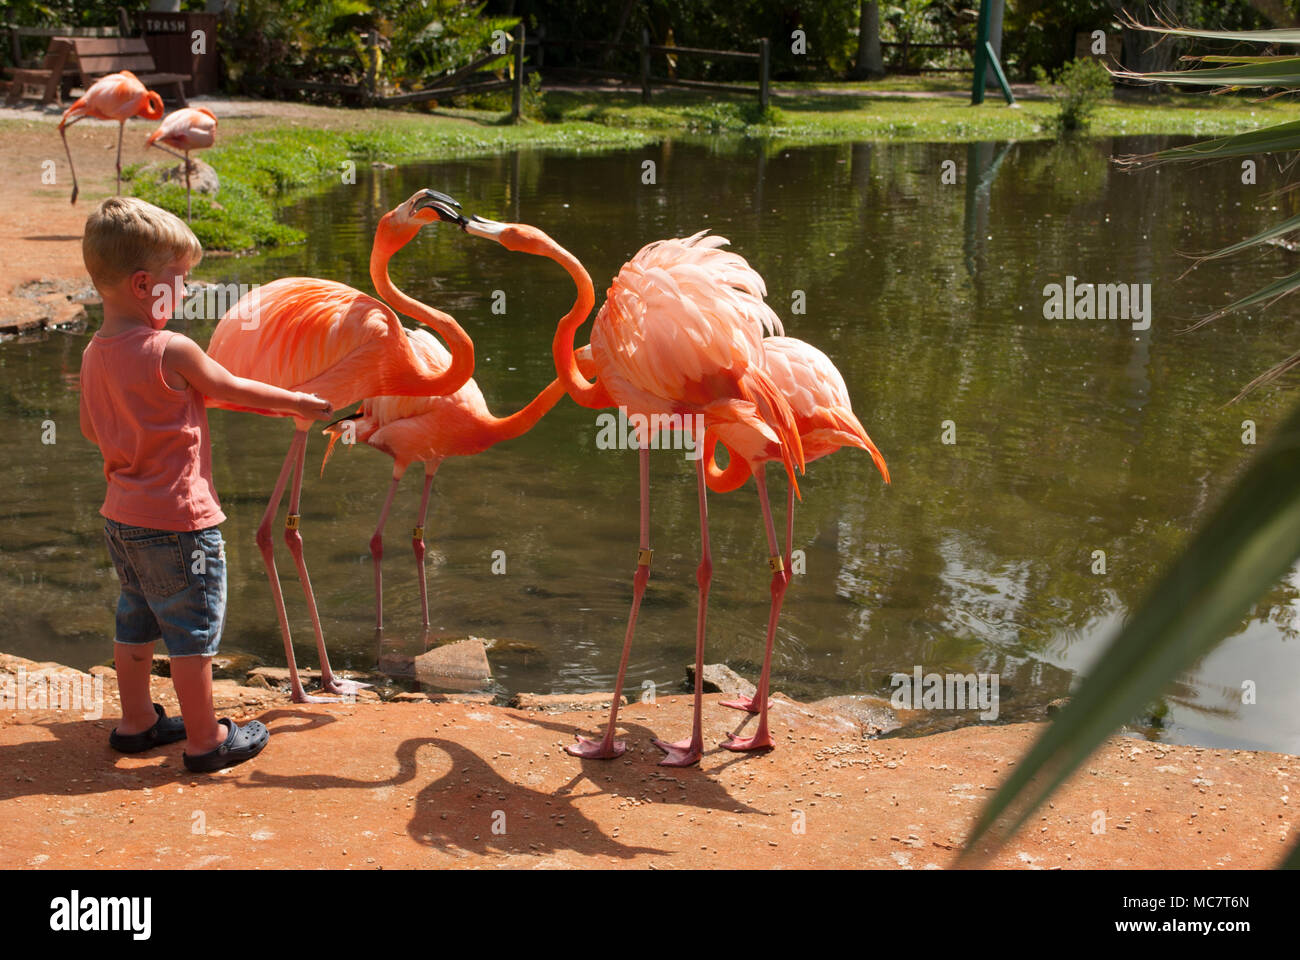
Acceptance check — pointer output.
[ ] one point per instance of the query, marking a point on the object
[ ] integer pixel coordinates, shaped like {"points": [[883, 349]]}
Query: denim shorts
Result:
{"points": [[173, 586]]}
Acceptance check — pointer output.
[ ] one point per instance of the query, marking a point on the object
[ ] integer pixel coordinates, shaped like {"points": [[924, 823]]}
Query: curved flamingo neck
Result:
{"points": [[421, 379], [583, 392], [517, 424], [723, 480]]}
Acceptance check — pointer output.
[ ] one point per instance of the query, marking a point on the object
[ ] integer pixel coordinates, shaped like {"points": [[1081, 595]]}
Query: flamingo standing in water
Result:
{"points": [[825, 420], [326, 338], [193, 128], [118, 96], [428, 430], [679, 336]]}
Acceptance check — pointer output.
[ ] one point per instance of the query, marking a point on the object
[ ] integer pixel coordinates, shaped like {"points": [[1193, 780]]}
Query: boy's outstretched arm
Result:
{"points": [[184, 358]]}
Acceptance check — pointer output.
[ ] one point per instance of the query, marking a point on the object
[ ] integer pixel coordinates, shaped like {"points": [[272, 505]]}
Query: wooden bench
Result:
{"points": [[100, 56], [48, 76]]}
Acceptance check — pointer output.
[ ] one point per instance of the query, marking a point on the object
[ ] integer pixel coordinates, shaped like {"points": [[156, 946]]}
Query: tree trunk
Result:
{"points": [[870, 63]]}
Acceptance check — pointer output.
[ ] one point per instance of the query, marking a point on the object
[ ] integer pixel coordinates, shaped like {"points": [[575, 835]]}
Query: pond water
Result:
{"points": [[1071, 435]]}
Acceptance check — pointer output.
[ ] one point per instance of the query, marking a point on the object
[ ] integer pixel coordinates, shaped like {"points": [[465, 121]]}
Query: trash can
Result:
{"points": [[183, 43]]}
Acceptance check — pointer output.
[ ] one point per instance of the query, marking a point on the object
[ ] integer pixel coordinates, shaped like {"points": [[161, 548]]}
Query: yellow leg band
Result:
{"points": [[776, 563], [291, 521], [643, 557], [417, 533]]}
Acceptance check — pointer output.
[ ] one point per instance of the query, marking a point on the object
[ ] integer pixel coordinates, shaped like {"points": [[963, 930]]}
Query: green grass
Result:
{"points": [[812, 116]]}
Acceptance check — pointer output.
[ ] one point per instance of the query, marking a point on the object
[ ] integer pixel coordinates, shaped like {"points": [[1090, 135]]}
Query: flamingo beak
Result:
{"points": [[482, 227], [446, 208]]}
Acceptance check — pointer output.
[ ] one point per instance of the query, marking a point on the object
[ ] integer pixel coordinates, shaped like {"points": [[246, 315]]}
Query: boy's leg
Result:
{"points": [[134, 664], [192, 678], [191, 621], [135, 624]]}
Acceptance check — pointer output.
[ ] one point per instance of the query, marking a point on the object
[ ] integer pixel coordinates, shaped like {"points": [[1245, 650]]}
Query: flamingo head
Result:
{"points": [[512, 236], [400, 225], [428, 206], [151, 106]]}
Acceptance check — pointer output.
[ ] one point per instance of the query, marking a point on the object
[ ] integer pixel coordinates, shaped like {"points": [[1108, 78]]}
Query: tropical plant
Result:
{"points": [[1248, 543]]}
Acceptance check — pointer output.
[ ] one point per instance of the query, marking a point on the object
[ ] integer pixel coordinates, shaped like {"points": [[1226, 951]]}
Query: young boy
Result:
{"points": [[142, 390]]}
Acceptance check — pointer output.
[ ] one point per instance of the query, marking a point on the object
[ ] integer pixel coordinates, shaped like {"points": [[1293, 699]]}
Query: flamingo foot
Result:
{"points": [[748, 704], [342, 687], [683, 753], [590, 748], [301, 696], [760, 741]]}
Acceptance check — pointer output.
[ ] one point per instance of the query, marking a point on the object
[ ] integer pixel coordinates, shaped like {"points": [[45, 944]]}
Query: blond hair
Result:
{"points": [[125, 234]]}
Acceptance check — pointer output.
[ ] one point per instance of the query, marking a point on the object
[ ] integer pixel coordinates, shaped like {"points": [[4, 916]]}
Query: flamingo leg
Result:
{"points": [[63, 132], [684, 753], [750, 704], [607, 747], [789, 528], [762, 739], [189, 209], [293, 539], [417, 540], [377, 554], [268, 559], [121, 128]]}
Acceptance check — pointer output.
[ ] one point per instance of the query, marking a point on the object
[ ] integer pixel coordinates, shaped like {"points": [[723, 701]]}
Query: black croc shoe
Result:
{"points": [[242, 743], [166, 730]]}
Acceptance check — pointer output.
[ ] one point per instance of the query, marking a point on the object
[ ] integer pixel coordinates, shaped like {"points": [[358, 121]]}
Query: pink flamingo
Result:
{"points": [[118, 96], [193, 128], [338, 343], [428, 430], [680, 336], [825, 421]]}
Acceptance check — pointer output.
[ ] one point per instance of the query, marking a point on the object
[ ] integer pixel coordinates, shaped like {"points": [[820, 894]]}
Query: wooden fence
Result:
{"points": [[646, 51]]}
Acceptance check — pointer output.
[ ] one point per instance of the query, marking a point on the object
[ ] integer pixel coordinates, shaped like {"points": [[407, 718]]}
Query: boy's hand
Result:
{"points": [[312, 407]]}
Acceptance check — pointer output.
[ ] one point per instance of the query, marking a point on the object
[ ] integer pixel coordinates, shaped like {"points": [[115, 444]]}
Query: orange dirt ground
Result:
{"points": [[373, 785]]}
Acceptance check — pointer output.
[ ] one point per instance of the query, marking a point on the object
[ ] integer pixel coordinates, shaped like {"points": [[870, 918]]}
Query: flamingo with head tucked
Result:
{"points": [[193, 128], [326, 338], [680, 336], [825, 421], [118, 96]]}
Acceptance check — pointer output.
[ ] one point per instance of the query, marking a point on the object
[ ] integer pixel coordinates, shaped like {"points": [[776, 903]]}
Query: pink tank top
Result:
{"points": [[157, 457]]}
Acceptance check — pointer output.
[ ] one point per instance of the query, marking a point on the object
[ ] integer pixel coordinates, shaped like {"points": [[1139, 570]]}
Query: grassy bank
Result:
{"points": [[263, 161], [799, 115]]}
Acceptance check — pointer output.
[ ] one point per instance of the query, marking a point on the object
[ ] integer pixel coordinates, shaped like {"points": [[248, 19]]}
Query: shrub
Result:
{"points": [[1078, 89]]}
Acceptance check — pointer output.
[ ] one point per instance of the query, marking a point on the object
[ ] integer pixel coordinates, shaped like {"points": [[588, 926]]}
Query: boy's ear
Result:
{"points": [[140, 284]]}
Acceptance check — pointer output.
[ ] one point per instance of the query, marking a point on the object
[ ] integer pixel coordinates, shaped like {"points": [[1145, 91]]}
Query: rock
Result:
{"points": [[461, 665], [233, 666], [203, 179], [396, 664], [278, 675], [258, 682], [873, 715], [563, 702], [720, 678], [472, 699], [500, 647], [1056, 706], [108, 673]]}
